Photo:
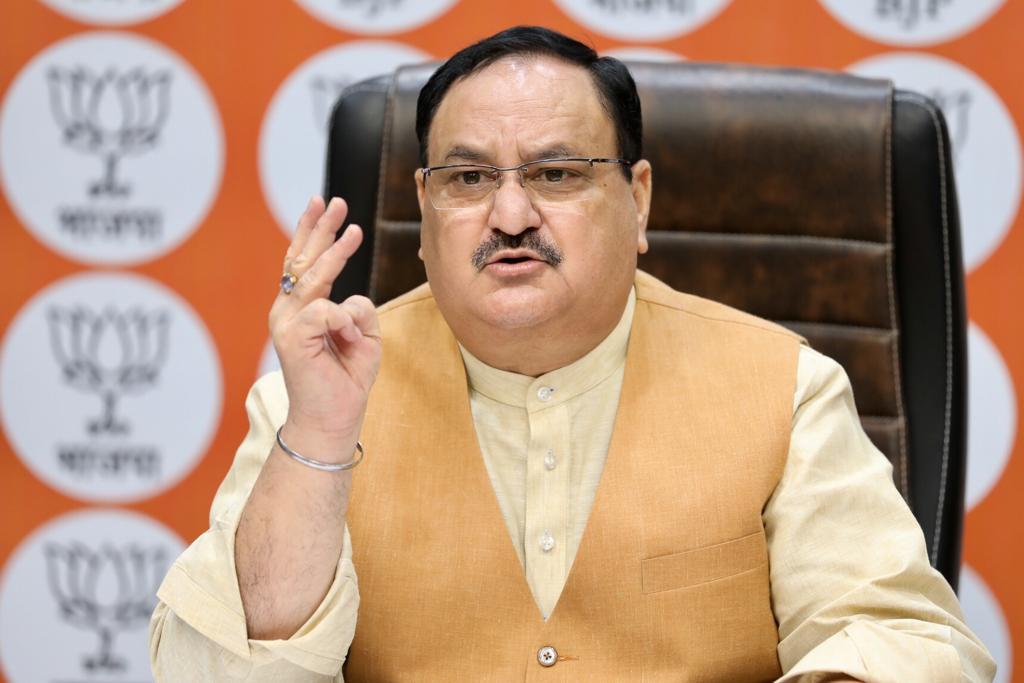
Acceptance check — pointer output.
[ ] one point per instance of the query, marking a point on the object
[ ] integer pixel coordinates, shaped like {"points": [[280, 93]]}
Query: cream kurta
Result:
{"points": [[544, 441]]}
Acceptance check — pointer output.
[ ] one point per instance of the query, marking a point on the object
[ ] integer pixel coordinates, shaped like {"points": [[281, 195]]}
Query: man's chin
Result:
{"points": [[512, 308]]}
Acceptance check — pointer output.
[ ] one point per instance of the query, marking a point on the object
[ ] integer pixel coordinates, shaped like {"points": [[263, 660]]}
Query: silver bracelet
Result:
{"points": [[316, 464]]}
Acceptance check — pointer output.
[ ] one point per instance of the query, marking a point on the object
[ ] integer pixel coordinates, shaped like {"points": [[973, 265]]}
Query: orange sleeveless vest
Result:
{"points": [[671, 578]]}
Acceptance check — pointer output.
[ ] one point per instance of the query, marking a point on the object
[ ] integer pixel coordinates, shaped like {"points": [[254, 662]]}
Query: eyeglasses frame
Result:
{"points": [[520, 169]]}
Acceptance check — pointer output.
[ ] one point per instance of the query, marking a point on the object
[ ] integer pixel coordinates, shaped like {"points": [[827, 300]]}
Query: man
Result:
{"points": [[739, 526]]}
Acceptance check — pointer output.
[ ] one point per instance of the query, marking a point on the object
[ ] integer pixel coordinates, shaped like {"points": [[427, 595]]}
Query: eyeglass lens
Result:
{"points": [[546, 181]]}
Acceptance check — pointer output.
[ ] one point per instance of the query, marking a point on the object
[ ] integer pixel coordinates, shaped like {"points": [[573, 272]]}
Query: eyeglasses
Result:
{"points": [[548, 181]]}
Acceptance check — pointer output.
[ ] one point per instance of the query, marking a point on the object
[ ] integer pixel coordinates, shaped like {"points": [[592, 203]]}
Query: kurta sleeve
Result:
{"points": [[198, 629], [854, 595]]}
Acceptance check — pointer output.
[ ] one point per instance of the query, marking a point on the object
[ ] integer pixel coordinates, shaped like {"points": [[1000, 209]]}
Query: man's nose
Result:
{"points": [[512, 210]]}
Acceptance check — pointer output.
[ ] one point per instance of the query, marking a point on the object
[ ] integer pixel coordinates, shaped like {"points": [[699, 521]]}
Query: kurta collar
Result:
{"points": [[557, 386]]}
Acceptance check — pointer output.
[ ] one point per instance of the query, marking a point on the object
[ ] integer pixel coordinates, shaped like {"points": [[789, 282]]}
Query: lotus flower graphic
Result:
{"points": [[109, 590], [110, 115], [109, 354]]}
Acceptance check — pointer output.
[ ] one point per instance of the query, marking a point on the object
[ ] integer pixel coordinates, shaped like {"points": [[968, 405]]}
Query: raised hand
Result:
{"points": [[329, 352], [291, 531]]}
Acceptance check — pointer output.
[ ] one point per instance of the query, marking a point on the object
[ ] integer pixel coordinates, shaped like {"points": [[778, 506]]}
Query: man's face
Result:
{"points": [[581, 254]]}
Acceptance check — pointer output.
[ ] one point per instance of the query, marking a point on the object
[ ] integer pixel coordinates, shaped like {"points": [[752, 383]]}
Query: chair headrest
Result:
{"points": [[735, 149]]}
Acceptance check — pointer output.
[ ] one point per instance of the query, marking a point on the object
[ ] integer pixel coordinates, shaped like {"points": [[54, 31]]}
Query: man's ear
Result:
{"points": [[420, 190], [420, 195], [641, 189]]}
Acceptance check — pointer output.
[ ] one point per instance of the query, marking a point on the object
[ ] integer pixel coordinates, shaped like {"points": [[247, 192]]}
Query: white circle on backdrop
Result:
{"points": [[111, 148], [269, 362], [911, 22], [985, 618], [644, 54], [376, 16], [76, 597], [112, 12], [985, 143], [293, 136], [991, 416], [643, 19], [110, 387]]}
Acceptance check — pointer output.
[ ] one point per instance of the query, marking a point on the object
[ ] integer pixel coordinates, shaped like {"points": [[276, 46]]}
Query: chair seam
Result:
{"points": [[912, 98], [838, 241], [855, 326], [385, 145], [877, 417], [893, 317]]}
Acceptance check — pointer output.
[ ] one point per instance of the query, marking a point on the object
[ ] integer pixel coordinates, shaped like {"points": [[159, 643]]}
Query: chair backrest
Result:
{"points": [[819, 200]]}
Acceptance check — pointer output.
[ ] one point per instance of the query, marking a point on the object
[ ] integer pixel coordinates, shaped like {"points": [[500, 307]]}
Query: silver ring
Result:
{"points": [[288, 281]]}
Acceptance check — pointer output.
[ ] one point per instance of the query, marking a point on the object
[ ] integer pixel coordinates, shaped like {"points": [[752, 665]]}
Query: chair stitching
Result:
{"points": [[705, 234], [894, 319], [382, 174], [912, 98], [854, 327]]}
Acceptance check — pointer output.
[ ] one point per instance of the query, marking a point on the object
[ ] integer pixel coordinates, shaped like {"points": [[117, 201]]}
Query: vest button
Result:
{"points": [[547, 656]]}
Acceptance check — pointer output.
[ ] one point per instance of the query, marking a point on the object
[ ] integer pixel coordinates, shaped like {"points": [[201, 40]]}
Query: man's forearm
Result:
{"points": [[288, 542]]}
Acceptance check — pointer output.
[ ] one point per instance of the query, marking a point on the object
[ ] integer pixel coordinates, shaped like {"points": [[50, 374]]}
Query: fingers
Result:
{"points": [[350, 320], [319, 237], [316, 281], [314, 209], [364, 315]]}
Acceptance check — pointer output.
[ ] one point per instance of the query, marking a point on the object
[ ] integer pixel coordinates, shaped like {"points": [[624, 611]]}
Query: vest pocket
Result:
{"points": [[702, 565]]}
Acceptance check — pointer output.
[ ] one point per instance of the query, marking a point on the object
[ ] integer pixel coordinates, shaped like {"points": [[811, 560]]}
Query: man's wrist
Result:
{"points": [[321, 465], [318, 445]]}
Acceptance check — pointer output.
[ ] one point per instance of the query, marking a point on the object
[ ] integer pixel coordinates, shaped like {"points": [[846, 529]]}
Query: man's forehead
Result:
{"points": [[553, 102]]}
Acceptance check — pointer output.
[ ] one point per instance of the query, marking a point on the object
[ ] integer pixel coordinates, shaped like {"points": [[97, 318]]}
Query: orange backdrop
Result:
{"points": [[223, 267]]}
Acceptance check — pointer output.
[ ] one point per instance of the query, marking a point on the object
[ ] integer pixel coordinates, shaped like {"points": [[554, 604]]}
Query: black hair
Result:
{"points": [[611, 78]]}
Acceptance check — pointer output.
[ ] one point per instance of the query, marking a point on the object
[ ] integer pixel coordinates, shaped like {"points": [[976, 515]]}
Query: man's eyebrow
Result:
{"points": [[460, 153], [465, 154], [556, 152]]}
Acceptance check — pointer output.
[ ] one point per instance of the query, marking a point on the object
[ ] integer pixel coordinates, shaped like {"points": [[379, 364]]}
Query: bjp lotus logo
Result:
{"points": [[110, 115], [106, 591], [109, 354]]}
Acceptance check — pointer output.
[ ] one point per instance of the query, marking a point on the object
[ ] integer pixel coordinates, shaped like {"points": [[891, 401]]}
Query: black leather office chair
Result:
{"points": [[819, 200]]}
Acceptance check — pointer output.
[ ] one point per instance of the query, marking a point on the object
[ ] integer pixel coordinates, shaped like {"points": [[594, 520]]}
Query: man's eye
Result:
{"points": [[469, 177], [554, 175]]}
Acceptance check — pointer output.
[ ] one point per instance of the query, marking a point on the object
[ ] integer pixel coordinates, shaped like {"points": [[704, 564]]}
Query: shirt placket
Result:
{"points": [[547, 497]]}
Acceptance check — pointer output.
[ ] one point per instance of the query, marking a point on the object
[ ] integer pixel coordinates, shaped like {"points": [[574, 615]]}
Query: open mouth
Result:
{"points": [[515, 262]]}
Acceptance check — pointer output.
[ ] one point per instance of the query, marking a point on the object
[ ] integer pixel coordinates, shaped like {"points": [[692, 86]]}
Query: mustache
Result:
{"points": [[529, 239]]}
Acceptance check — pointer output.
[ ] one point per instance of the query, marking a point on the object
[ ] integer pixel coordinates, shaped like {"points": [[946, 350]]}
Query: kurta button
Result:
{"points": [[544, 393], [547, 656], [549, 460]]}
